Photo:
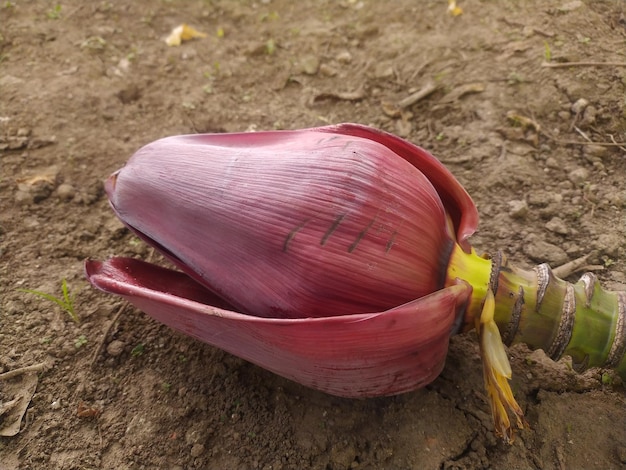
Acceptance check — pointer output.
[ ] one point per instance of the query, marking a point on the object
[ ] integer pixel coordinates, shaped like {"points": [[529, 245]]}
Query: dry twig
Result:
{"points": [[528, 122], [619, 144], [428, 89], [591, 142], [24, 370], [560, 65], [583, 135], [570, 267]]}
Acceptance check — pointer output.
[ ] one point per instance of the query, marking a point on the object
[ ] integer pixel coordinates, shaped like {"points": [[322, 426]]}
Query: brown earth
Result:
{"points": [[85, 84]]}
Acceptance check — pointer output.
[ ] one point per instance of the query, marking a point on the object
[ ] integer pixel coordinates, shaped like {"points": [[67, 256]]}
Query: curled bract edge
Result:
{"points": [[358, 355]]}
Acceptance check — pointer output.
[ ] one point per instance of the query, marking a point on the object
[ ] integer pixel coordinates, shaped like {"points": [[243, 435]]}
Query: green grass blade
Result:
{"points": [[66, 303]]}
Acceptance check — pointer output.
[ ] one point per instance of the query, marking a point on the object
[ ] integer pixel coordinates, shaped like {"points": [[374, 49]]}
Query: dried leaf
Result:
{"points": [[85, 411], [523, 121], [22, 389], [356, 95], [391, 109], [461, 91], [181, 33], [453, 9]]}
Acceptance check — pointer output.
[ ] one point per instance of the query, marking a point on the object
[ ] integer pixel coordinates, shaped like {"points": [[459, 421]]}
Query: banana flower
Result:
{"points": [[338, 257]]}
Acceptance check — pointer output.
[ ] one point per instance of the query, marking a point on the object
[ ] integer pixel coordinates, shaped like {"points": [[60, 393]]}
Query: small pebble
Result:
{"points": [[66, 192], [310, 64], [197, 450], [580, 105], [541, 251], [115, 348], [553, 163], [564, 115], [609, 243], [327, 70], [589, 117], [616, 198], [571, 6], [383, 71], [540, 198], [595, 151], [56, 404], [518, 209], [578, 176], [22, 197], [557, 225], [344, 57]]}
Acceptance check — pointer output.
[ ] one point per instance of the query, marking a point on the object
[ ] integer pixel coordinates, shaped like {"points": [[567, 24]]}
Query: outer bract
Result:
{"points": [[359, 355]]}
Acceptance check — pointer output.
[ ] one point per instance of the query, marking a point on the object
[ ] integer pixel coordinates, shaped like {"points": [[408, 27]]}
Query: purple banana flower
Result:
{"points": [[319, 254]]}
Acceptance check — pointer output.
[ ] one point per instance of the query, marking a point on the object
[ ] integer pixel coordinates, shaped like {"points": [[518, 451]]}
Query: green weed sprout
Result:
{"points": [[66, 303], [547, 53], [80, 341], [55, 12], [137, 350]]}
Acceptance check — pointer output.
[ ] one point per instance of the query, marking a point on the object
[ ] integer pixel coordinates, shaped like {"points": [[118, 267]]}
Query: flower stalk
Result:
{"points": [[534, 307], [511, 305]]}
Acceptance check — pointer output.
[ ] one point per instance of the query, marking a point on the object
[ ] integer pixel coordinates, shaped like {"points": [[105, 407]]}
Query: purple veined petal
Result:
{"points": [[288, 223], [356, 355], [457, 202]]}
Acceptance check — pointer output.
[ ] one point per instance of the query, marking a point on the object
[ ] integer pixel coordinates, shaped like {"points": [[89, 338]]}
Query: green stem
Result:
{"points": [[534, 307]]}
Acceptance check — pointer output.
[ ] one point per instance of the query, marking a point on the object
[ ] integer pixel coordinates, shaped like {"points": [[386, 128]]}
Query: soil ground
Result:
{"points": [[85, 84]]}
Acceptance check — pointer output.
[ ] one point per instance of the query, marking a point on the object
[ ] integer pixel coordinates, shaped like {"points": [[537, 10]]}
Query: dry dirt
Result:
{"points": [[85, 84]]}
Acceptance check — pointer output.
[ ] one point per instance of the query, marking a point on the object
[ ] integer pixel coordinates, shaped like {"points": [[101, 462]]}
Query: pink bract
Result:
{"points": [[319, 254]]}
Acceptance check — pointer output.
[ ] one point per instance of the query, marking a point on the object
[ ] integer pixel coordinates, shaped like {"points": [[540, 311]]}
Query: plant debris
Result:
{"points": [[182, 33], [20, 385]]}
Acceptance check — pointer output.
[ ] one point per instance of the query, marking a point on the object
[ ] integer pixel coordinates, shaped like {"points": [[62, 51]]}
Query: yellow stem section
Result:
{"points": [[580, 320], [476, 271]]}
